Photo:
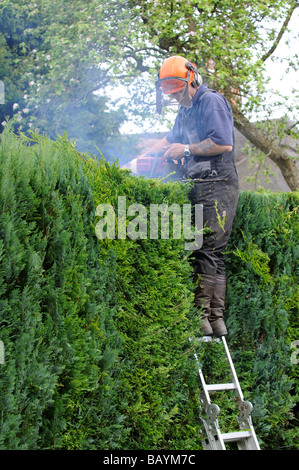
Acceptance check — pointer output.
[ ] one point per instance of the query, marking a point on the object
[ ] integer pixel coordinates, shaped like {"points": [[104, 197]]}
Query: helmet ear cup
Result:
{"points": [[197, 80]]}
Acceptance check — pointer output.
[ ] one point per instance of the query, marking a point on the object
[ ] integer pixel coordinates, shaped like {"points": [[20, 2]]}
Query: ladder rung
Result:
{"points": [[236, 436], [216, 387]]}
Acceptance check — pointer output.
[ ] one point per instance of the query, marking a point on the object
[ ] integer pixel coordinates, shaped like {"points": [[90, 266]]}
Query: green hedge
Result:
{"points": [[96, 332], [263, 311]]}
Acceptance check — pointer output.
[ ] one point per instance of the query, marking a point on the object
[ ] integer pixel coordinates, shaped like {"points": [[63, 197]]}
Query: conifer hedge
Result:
{"points": [[96, 332]]}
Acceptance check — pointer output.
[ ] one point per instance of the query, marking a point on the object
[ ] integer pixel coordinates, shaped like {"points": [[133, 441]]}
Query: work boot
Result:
{"points": [[217, 306], [203, 295]]}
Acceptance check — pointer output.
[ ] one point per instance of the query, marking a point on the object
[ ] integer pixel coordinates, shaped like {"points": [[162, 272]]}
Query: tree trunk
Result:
{"points": [[284, 161]]}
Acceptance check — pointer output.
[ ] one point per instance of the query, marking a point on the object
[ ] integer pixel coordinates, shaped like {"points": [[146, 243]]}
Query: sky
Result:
{"points": [[281, 79]]}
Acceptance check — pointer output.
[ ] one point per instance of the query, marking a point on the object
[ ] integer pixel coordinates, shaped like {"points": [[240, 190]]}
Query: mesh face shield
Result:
{"points": [[172, 90]]}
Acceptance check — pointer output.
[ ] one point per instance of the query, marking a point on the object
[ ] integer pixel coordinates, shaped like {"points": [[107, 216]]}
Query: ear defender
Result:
{"points": [[197, 80]]}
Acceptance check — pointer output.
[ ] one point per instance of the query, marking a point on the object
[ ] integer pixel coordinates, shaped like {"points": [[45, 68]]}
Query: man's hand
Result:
{"points": [[175, 151]]}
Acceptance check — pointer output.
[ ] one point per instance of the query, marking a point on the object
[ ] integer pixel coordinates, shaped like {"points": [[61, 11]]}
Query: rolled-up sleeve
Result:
{"points": [[209, 117], [216, 119]]}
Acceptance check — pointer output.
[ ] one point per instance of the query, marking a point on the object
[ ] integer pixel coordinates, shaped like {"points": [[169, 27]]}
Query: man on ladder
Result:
{"points": [[202, 139]]}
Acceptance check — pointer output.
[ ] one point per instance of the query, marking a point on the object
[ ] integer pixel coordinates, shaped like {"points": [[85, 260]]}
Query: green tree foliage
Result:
{"points": [[52, 59], [96, 332], [231, 42], [227, 39]]}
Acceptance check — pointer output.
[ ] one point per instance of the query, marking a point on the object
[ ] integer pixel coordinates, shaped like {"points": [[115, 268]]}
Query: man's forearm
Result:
{"points": [[205, 148], [208, 147]]}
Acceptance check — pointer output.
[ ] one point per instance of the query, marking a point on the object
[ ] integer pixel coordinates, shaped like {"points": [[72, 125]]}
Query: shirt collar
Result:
{"points": [[199, 92]]}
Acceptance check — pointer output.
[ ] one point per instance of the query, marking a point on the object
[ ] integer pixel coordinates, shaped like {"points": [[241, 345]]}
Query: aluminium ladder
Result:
{"points": [[245, 437]]}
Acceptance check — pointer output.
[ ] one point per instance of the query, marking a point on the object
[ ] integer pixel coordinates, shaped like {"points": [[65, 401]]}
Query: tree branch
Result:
{"points": [[281, 32], [285, 163]]}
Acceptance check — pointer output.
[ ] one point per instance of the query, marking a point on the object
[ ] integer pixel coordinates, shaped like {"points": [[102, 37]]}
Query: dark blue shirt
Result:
{"points": [[209, 117]]}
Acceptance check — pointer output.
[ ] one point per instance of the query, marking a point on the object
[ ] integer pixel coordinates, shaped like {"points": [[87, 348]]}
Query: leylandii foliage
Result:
{"points": [[95, 333]]}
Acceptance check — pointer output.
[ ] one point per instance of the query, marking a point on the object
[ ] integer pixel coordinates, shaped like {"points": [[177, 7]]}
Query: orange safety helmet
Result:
{"points": [[175, 72], [174, 76]]}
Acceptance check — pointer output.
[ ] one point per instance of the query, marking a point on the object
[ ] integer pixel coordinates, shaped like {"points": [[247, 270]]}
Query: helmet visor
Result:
{"points": [[182, 97], [172, 85], [172, 90]]}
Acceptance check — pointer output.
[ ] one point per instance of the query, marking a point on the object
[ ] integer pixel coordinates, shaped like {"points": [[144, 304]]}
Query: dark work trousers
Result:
{"points": [[218, 192]]}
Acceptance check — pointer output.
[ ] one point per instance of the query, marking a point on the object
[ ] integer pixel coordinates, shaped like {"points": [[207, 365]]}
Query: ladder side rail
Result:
{"points": [[245, 421], [204, 386], [252, 442], [233, 370], [215, 441]]}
